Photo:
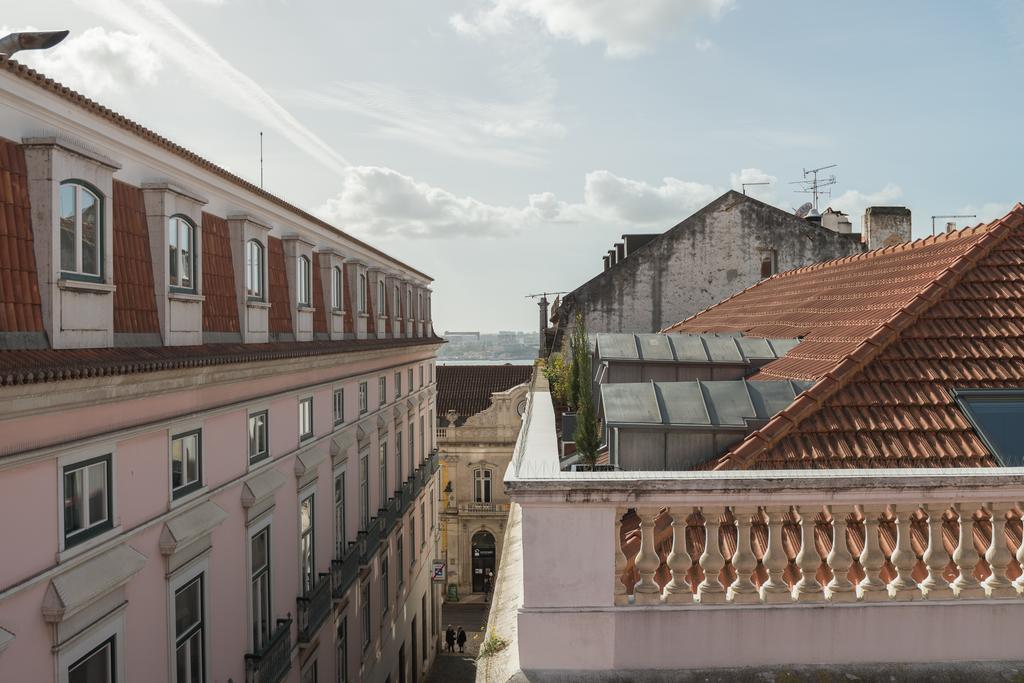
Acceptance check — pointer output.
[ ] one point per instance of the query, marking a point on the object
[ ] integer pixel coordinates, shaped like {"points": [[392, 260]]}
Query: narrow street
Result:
{"points": [[460, 667]]}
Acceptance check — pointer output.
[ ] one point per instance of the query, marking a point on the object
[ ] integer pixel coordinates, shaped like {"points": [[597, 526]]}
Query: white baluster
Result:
{"points": [[646, 591], [711, 590], [808, 589], [619, 592], [775, 590], [935, 586], [677, 591], [997, 585], [742, 591], [903, 587], [966, 556], [871, 588], [840, 589]]}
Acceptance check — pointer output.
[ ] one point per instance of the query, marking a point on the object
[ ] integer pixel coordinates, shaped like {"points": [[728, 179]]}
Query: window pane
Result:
{"points": [[90, 234], [185, 242], [74, 501], [97, 493], [172, 251], [182, 662], [96, 667], [67, 227], [188, 606], [192, 459], [177, 464], [1000, 422], [259, 551]]}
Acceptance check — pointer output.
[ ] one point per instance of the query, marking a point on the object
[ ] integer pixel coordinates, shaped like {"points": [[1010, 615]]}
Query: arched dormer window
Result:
{"points": [[481, 485], [81, 232], [362, 293], [254, 270], [181, 254], [303, 285], [337, 288]]}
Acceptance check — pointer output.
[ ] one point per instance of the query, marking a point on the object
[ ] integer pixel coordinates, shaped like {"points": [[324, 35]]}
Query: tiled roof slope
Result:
{"points": [[277, 284], [135, 296], [25, 73], [220, 309], [467, 389], [886, 335], [19, 288]]}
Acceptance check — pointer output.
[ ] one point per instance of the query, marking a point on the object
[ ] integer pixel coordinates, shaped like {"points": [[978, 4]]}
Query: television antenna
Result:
{"points": [[814, 185], [958, 215], [745, 185]]}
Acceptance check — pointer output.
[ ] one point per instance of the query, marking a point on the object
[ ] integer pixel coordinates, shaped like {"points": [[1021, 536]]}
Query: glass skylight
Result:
{"points": [[997, 416]]}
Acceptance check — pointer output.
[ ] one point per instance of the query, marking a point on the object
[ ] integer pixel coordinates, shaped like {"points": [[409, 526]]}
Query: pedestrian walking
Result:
{"points": [[461, 638], [487, 586], [449, 638]]}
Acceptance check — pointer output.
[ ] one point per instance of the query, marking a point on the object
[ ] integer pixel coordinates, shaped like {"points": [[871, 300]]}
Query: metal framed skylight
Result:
{"points": [[997, 416]]}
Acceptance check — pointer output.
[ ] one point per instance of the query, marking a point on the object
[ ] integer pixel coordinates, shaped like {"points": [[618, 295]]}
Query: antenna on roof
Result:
{"points": [[261, 159], [958, 215], [804, 209], [746, 184], [816, 186]]}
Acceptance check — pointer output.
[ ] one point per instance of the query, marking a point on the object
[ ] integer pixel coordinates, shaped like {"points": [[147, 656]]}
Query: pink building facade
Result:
{"points": [[217, 459]]}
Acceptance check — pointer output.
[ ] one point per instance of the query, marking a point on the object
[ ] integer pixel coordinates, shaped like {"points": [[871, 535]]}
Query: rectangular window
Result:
{"points": [[307, 556], [383, 474], [88, 499], [339, 406], [412, 448], [482, 486], [364, 491], [190, 658], [81, 232], [433, 432], [259, 576], [400, 558], [364, 603], [430, 373], [410, 380], [342, 659], [304, 277], [398, 385], [186, 463], [364, 399], [423, 442], [423, 524], [421, 376], [339, 515], [305, 418], [996, 415], [423, 631], [362, 294], [384, 597], [382, 390], [96, 667], [412, 538], [309, 673], [398, 460], [259, 448]]}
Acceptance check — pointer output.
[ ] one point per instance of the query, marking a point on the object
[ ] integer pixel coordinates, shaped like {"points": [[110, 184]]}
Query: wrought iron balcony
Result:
{"points": [[313, 608], [275, 660], [344, 571], [369, 540]]}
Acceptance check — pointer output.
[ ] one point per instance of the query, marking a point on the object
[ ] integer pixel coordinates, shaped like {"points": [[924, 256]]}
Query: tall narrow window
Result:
{"points": [[362, 293], [382, 389], [258, 444], [767, 263], [364, 490], [411, 387], [383, 473], [423, 524], [181, 254], [342, 659], [408, 305], [304, 275], [400, 559], [81, 232], [337, 288], [364, 604], [398, 385], [482, 486], [186, 463], [307, 558], [385, 599], [397, 313], [305, 418], [412, 538], [380, 297], [412, 447], [254, 270], [339, 515], [364, 399], [259, 558], [433, 432], [88, 499], [190, 658], [339, 406], [96, 667], [398, 459], [423, 443], [421, 376]]}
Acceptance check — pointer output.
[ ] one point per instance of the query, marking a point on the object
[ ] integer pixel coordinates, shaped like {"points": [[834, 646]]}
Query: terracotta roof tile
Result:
{"points": [[467, 389], [19, 286], [320, 309], [220, 309], [135, 297], [893, 331], [277, 286]]}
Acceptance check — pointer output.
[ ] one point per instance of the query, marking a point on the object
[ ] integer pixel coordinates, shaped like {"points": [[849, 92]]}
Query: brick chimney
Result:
{"points": [[885, 226]]}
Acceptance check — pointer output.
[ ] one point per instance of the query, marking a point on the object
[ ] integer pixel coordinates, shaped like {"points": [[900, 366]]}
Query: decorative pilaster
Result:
{"points": [[966, 557], [872, 588], [619, 588], [997, 585], [775, 590], [903, 587], [711, 590], [935, 586], [840, 589], [742, 591], [678, 591], [646, 591], [807, 589]]}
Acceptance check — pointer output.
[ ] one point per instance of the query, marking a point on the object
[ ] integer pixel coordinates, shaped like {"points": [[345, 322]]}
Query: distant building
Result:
{"points": [[461, 336], [479, 414], [651, 281]]}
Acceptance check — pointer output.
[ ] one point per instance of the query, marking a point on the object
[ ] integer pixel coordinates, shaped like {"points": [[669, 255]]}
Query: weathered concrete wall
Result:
{"points": [[885, 226], [710, 256]]}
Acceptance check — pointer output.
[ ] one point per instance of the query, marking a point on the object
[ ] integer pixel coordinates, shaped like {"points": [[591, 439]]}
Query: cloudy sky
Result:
{"points": [[503, 145]]}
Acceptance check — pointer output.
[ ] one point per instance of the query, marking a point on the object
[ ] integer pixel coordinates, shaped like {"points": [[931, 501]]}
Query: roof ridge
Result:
{"points": [[812, 399], [40, 79]]}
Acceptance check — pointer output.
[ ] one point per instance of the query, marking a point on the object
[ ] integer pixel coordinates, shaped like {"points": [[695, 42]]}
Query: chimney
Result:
{"points": [[951, 226], [611, 258], [885, 226], [836, 221], [606, 264], [620, 252]]}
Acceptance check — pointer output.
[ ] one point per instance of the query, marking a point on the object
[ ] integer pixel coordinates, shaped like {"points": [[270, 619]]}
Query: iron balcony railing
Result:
{"points": [[274, 661], [313, 608], [370, 540], [344, 571]]}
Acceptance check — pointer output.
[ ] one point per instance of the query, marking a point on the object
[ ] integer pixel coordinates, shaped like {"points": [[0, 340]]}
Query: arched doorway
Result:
{"points": [[483, 559]]}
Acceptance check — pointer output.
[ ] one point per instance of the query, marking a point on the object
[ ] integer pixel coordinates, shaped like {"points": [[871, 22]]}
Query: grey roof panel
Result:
{"points": [[654, 347], [783, 346], [771, 397], [630, 403], [728, 402], [688, 347], [722, 349], [755, 348], [682, 403], [617, 345]]}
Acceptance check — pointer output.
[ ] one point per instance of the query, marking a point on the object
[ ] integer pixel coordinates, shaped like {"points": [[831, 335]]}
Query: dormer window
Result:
{"points": [[304, 281], [380, 297], [254, 261], [408, 305], [181, 254], [81, 232], [362, 293], [337, 288]]}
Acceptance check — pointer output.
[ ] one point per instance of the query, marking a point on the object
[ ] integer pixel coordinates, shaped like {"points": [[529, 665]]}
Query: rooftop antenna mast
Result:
{"points": [[816, 186], [958, 215], [746, 185]]}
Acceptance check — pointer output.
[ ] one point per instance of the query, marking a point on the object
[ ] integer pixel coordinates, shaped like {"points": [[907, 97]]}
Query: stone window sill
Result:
{"points": [[86, 286], [257, 304], [337, 312], [364, 316], [305, 309], [186, 297]]}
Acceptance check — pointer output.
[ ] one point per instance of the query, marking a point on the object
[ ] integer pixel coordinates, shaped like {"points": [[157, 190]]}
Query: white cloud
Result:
{"points": [[853, 202], [177, 43], [512, 133], [626, 27], [986, 213], [609, 197], [97, 61], [704, 44]]}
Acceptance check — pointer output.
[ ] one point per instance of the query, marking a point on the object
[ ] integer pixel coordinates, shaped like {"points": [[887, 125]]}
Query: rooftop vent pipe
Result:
{"points": [[30, 40]]}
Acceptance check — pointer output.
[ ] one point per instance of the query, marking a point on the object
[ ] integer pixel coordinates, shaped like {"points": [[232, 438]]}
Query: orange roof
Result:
{"points": [[886, 335]]}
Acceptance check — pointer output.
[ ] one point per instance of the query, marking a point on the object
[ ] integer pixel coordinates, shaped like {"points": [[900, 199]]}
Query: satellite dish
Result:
{"points": [[804, 210]]}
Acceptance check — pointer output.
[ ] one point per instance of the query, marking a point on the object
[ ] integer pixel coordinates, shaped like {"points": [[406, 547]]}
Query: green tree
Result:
{"points": [[587, 436]]}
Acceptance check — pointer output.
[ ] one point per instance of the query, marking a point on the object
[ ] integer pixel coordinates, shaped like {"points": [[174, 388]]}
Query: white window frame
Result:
{"points": [[65, 552], [101, 238], [255, 270], [303, 401], [398, 385], [412, 386], [364, 398], [362, 292], [380, 297], [364, 489], [397, 313], [175, 582], [109, 627], [338, 405], [179, 227], [382, 390], [304, 281], [382, 471], [251, 413], [483, 478], [189, 489], [340, 539], [265, 522], [337, 288], [306, 494]]}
